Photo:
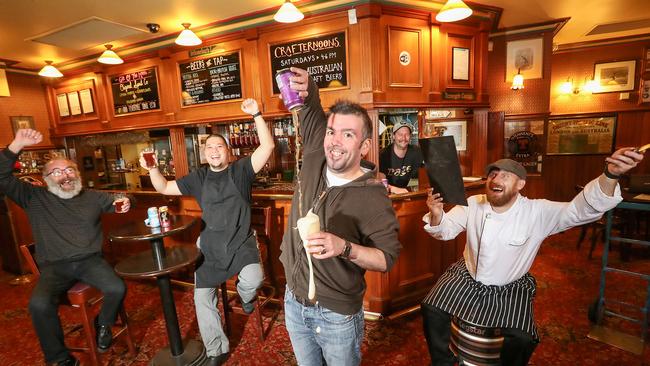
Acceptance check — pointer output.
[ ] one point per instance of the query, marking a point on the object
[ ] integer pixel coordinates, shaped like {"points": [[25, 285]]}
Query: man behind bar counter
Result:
{"points": [[223, 190], [66, 225], [359, 231], [491, 286]]}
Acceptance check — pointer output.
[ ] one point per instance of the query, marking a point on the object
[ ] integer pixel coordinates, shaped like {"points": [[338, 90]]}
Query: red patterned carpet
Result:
{"points": [[567, 285]]}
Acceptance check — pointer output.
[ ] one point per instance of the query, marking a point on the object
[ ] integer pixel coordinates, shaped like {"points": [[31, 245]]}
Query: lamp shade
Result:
{"points": [[288, 13], [517, 82], [187, 37], [453, 10], [109, 56], [49, 71], [566, 87]]}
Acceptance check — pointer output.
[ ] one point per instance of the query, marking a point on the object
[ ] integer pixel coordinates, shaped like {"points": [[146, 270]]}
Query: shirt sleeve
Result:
{"points": [[453, 223], [19, 191], [190, 185], [313, 120], [105, 201], [381, 232]]}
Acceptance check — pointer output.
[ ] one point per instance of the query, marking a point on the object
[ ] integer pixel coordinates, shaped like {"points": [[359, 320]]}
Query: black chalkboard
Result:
{"points": [[443, 168], [211, 79], [135, 92], [324, 57]]}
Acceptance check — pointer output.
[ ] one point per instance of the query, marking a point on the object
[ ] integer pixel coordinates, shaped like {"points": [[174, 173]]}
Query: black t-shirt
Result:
{"points": [[400, 170]]}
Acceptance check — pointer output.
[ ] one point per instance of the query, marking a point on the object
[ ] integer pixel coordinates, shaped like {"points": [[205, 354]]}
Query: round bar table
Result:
{"points": [[159, 262]]}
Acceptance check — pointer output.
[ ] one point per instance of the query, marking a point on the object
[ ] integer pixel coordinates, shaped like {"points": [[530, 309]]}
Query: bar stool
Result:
{"points": [[85, 302], [261, 222], [475, 345]]}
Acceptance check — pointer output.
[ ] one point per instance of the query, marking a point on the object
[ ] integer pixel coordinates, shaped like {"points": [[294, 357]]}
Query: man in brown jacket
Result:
{"points": [[358, 231]]}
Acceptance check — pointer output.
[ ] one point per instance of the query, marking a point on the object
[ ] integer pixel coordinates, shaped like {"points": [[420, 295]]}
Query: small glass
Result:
{"points": [[149, 155], [119, 199]]}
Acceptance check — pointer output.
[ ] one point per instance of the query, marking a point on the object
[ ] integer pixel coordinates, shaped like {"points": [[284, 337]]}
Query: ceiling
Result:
{"points": [[20, 21]]}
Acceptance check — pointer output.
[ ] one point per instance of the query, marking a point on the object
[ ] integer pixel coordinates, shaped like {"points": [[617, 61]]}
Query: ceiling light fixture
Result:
{"points": [[49, 71], [288, 13], [518, 81], [109, 56], [453, 10], [187, 37]]}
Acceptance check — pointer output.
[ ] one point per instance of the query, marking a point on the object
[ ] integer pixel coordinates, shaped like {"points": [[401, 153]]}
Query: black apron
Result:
{"points": [[227, 241]]}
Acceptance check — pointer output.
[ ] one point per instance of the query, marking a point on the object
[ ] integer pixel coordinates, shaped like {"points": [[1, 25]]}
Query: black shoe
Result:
{"points": [[104, 337], [248, 307], [216, 360], [70, 361]]}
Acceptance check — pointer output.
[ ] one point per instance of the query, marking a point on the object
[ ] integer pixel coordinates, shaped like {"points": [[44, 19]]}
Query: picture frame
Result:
{"points": [[460, 63], [457, 129], [580, 135], [614, 76], [525, 56], [524, 142], [20, 122]]}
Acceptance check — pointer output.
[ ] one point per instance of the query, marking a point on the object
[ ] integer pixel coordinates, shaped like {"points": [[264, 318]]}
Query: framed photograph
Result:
{"points": [[73, 102], [460, 63], [525, 56], [21, 122], [457, 129], [524, 142], [580, 135], [86, 101], [614, 76]]}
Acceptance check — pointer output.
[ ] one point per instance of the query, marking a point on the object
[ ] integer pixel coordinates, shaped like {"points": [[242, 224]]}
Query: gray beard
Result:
{"points": [[55, 189]]}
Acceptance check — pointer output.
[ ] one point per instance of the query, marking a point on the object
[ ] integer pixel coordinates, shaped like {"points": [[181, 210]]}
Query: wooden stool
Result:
{"points": [[85, 302], [475, 345]]}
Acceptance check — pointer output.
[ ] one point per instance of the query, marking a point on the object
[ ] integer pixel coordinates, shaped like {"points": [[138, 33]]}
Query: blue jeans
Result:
{"points": [[55, 280], [319, 334]]}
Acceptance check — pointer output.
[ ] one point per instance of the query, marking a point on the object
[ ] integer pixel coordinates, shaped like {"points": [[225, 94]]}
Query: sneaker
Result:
{"points": [[70, 361], [248, 307], [217, 360]]}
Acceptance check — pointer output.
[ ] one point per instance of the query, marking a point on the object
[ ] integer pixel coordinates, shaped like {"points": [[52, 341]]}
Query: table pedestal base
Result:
{"points": [[193, 355]]}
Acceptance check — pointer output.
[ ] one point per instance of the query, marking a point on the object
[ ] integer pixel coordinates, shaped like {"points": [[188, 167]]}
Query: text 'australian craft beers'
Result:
{"points": [[307, 225]]}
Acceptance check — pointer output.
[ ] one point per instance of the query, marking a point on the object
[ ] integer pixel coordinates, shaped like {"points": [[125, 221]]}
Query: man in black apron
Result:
{"points": [[400, 160], [490, 286], [223, 190]]}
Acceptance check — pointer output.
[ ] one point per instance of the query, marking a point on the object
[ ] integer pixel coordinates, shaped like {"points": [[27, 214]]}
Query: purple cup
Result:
{"points": [[290, 97]]}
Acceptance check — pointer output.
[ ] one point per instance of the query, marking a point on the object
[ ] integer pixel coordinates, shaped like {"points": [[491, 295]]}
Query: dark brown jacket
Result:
{"points": [[359, 212]]}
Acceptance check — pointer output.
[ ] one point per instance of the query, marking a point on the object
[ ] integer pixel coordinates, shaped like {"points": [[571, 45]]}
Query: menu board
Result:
{"points": [[324, 57], [211, 79], [135, 92]]}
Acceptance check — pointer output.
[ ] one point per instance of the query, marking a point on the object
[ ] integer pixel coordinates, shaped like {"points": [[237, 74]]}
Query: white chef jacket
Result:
{"points": [[510, 240]]}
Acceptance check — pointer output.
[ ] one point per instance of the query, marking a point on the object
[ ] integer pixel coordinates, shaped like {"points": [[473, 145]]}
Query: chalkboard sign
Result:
{"points": [[211, 79], [135, 92], [324, 57]]}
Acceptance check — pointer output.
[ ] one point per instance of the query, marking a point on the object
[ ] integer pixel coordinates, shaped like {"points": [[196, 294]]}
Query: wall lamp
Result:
{"points": [[570, 87], [517, 81]]}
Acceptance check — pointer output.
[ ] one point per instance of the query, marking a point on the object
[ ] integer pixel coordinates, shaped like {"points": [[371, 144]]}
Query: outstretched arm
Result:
{"points": [[263, 152], [621, 161], [159, 182]]}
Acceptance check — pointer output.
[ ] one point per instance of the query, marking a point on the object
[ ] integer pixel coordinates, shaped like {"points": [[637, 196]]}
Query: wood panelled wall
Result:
{"points": [[561, 173]]}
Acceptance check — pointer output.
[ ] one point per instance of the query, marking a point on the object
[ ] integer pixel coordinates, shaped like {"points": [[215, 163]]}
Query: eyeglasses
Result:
{"points": [[59, 172]]}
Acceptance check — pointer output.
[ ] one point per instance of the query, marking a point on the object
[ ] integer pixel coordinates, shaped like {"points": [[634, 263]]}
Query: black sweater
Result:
{"points": [[359, 211], [63, 229]]}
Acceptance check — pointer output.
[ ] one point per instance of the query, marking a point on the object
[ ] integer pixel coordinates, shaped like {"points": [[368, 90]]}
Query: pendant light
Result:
{"points": [[109, 56], [187, 37], [453, 10], [49, 71], [288, 13]]}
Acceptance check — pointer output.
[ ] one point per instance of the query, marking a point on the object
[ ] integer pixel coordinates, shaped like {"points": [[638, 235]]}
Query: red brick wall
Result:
{"points": [[27, 99]]}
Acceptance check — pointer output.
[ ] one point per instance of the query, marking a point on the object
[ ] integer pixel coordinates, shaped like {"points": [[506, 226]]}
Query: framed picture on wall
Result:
{"points": [[460, 63], [457, 129], [580, 135], [524, 142], [525, 56], [614, 76], [21, 122]]}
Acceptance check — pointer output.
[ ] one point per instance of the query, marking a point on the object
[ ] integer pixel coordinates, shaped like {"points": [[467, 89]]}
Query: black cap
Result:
{"points": [[508, 165]]}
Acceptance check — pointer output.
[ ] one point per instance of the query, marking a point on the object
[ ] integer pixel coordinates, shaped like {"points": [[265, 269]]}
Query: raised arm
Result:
{"points": [[313, 121], [621, 161], [159, 182], [24, 138], [263, 152], [17, 190]]}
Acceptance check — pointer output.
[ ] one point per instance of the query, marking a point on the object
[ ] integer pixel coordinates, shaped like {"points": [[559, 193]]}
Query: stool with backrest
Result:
{"points": [[475, 345], [85, 302], [261, 224]]}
